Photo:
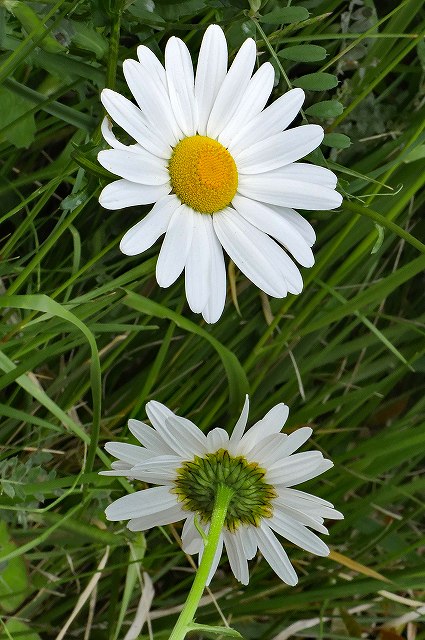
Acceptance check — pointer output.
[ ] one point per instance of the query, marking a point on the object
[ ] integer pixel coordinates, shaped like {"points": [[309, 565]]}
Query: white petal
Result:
{"points": [[146, 232], [279, 150], [216, 560], [150, 62], [297, 221], [108, 134], [131, 119], [298, 468], [180, 81], [305, 172], [298, 534], [270, 222], [180, 434], [159, 519], [249, 541], [191, 540], [210, 73], [271, 424], [239, 428], [173, 255], [267, 187], [275, 555], [122, 193], [217, 280], [296, 440], [253, 101], [141, 503], [197, 269], [267, 451], [217, 439], [232, 89], [295, 496], [141, 167], [286, 267], [160, 470], [149, 437], [236, 556], [153, 99], [249, 249], [307, 519], [273, 119], [130, 453]]}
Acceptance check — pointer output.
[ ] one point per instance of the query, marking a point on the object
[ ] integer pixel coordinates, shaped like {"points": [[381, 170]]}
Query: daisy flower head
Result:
{"points": [[220, 169], [259, 467]]}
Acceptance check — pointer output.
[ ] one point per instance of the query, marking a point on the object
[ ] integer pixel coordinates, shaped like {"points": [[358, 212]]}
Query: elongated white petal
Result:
{"points": [[141, 503], [149, 438], [249, 249], [111, 139], [173, 255], [217, 439], [249, 541], [267, 220], [180, 82], [198, 263], [131, 119], [314, 522], [191, 540], [210, 73], [286, 267], [295, 496], [295, 467], [216, 560], [130, 453], [275, 555], [232, 89], [150, 62], [271, 424], [123, 193], [275, 448], [153, 99], [236, 556], [288, 193], [141, 167], [182, 435], [239, 428], [298, 534], [272, 120], [217, 280], [296, 220], [158, 470], [305, 172], [253, 101], [158, 519], [146, 232], [279, 150]]}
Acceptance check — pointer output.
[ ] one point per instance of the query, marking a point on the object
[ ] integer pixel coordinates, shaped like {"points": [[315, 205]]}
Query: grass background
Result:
{"points": [[88, 337]]}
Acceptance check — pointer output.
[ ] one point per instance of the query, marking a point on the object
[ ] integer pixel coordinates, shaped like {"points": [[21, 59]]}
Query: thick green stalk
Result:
{"points": [[224, 495]]}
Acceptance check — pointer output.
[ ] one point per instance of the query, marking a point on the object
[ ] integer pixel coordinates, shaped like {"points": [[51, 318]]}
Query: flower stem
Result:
{"points": [[222, 500]]}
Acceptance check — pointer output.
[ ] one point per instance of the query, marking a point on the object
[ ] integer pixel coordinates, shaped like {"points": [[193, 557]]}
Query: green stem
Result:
{"points": [[183, 624]]}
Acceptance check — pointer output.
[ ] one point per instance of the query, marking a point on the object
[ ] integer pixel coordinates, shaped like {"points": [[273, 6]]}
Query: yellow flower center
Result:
{"points": [[203, 174]]}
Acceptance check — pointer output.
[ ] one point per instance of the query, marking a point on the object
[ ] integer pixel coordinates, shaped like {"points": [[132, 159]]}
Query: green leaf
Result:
{"points": [[380, 238], [336, 140], [303, 53], [84, 36], [215, 631], [325, 109], [18, 630], [285, 15], [13, 106], [14, 585], [238, 383], [418, 153], [316, 81]]}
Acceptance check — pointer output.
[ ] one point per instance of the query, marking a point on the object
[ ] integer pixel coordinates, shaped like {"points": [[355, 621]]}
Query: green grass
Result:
{"points": [[88, 337]]}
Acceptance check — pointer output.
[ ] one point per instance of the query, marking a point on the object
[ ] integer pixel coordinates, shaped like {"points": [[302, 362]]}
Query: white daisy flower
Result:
{"points": [[260, 467], [220, 168]]}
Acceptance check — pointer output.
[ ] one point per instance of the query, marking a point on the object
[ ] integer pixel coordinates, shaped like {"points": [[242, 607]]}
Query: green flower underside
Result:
{"points": [[197, 483]]}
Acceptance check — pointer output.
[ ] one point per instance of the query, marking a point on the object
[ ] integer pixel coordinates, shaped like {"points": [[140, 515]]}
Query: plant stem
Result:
{"points": [[224, 495]]}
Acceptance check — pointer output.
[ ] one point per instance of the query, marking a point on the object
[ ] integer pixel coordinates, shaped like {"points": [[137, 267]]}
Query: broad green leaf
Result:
{"points": [[238, 383], [418, 153], [14, 585], [336, 140], [303, 53], [18, 630], [84, 36], [285, 15], [13, 106], [325, 109], [316, 81]]}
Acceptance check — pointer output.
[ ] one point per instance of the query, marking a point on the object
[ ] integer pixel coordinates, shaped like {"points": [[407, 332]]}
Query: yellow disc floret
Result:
{"points": [[203, 174]]}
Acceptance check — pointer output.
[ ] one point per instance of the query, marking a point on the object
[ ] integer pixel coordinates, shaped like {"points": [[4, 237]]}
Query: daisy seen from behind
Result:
{"points": [[219, 167], [258, 469]]}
